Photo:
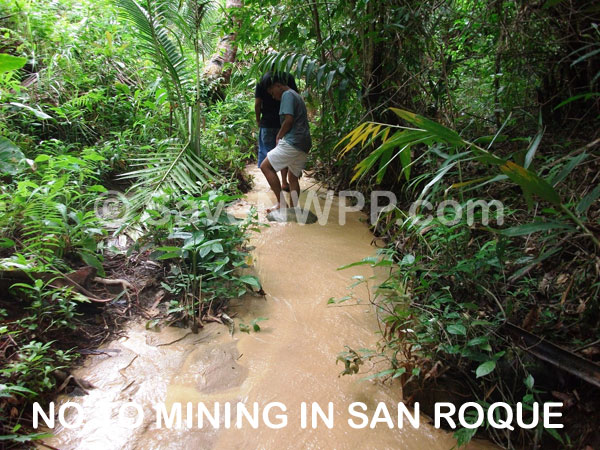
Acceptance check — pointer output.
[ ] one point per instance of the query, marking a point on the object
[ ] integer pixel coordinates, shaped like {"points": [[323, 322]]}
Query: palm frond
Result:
{"points": [[164, 27], [175, 164], [200, 18], [152, 19], [315, 73], [174, 167]]}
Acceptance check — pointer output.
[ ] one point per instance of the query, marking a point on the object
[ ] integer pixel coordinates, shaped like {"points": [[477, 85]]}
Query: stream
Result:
{"points": [[291, 360]]}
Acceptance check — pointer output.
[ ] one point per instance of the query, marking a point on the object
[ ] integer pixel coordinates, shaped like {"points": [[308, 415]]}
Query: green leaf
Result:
{"points": [[6, 243], [490, 139], [42, 158], [457, 329], [255, 325], [552, 432], [152, 324], [96, 188], [36, 112], [479, 340], [586, 56], [10, 156], [448, 135], [464, 435], [93, 156], [532, 149], [564, 173], [251, 280], [485, 368], [384, 153], [586, 96], [94, 261], [196, 238], [204, 251], [169, 255], [10, 62], [533, 262], [329, 80], [25, 438], [587, 201], [8, 388], [528, 228], [368, 260], [407, 260], [530, 182], [169, 248], [529, 382]]}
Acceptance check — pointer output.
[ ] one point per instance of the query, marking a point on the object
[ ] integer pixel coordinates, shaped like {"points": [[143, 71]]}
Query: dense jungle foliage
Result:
{"points": [[461, 101]]}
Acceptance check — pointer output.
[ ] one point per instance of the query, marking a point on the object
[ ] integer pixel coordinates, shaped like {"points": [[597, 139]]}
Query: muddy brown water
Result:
{"points": [[291, 360]]}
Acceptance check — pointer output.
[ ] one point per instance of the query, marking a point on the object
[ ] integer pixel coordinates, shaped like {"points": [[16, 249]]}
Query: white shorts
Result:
{"points": [[284, 155]]}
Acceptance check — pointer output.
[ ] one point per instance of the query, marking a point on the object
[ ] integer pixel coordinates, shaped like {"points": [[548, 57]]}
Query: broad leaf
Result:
{"points": [[485, 368], [251, 280], [10, 62], [457, 329], [10, 156]]}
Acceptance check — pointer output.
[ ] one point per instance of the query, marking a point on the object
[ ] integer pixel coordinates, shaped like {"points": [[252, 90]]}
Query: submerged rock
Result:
{"points": [[296, 214]]}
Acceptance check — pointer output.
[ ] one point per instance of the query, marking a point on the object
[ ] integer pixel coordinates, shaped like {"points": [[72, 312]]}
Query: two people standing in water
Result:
{"points": [[284, 134]]}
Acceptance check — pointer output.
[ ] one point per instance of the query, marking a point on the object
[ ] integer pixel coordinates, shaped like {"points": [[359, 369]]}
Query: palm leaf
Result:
{"points": [[152, 19], [175, 168], [315, 73], [175, 165], [197, 22]]}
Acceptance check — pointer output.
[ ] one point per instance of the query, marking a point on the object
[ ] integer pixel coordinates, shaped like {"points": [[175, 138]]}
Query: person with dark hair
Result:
{"points": [[266, 109], [293, 141]]}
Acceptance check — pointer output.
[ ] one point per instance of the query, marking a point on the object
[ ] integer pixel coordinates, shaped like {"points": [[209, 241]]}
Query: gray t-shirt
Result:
{"points": [[299, 134]]}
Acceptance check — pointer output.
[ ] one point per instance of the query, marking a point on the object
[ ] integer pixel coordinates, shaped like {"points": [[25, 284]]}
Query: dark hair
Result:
{"points": [[270, 78]]}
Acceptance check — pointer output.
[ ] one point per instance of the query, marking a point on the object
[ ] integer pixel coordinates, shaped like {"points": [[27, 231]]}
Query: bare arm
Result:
{"points": [[288, 121], [257, 109]]}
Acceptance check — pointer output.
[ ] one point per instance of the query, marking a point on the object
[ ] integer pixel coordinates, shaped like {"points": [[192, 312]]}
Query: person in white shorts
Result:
{"points": [[293, 141]]}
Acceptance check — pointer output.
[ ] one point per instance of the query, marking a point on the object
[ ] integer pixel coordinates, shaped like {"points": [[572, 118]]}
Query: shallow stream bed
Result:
{"points": [[290, 361]]}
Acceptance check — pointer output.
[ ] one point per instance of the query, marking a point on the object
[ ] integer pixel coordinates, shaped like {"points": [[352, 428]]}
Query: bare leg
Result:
{"points": [[284, 179], [273, 180], [294, 188]]}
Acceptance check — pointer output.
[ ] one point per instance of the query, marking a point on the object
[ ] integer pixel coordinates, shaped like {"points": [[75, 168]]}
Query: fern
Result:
{"points": [[53, 223], [86, 100]]}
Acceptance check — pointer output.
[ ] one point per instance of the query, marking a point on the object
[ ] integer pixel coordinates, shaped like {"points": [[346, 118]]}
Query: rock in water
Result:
{"points": [[292, 215]]}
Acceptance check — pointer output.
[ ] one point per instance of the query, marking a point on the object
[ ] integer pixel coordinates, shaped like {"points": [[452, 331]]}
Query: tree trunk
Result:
{"points": [[225, 53]]}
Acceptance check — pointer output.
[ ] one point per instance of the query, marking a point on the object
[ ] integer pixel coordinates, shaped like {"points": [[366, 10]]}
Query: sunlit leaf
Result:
{"points": [[450, 136], [10, 62], [530, 182]]}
